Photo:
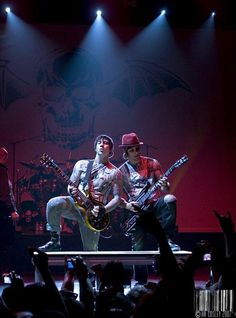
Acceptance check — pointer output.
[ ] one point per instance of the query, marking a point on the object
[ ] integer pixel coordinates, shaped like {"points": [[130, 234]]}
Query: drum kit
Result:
{"points": [[35, 188]]}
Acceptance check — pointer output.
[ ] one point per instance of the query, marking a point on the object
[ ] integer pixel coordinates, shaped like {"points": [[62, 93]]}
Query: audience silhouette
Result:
{"points": [[172, 295]]}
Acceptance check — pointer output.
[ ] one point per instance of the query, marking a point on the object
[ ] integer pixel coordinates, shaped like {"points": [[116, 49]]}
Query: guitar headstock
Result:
{"points": [[46, 160], [181, 161]]}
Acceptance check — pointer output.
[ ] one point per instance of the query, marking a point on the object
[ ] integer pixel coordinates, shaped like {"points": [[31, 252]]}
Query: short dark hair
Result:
{"points": [[125, 153], [110, 141]]}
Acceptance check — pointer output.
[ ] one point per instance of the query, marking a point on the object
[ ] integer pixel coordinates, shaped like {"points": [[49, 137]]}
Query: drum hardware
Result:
{"points": [[30, 214], [31, 166], [31, 201], [39, 227], [22, 182], [43, 187], [34, 191]]}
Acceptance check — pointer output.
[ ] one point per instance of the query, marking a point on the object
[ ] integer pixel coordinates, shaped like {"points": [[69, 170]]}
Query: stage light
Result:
{"points": [[213, 14], [99, 13], [8, 9], [163, 12]]}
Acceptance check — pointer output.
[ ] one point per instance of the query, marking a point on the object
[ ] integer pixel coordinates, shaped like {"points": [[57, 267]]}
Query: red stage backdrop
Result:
{"points": [[61, 86]]}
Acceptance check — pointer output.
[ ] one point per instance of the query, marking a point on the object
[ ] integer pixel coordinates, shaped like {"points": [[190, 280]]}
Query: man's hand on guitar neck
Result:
{"points": [[164, 184], [132, 206], [73, 191]]}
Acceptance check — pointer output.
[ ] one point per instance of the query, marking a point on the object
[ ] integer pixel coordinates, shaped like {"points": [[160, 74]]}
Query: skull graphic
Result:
{"points": [[68, 104]]}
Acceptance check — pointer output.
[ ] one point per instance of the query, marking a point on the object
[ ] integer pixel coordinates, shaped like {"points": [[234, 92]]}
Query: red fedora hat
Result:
{"points": [[130, 140]]}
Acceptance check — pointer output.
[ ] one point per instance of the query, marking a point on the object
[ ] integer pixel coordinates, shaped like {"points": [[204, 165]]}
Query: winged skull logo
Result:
{"points": [[141, 78]]}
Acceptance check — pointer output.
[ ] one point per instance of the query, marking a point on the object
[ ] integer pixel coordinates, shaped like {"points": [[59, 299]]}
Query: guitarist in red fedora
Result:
{"points": [[139, 174], [94, 191]]}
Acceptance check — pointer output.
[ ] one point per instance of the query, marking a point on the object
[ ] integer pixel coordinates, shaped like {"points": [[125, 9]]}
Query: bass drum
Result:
{"points": [[30, 214], [26, 196], [29, 206], [27, 203], [42, 187]]}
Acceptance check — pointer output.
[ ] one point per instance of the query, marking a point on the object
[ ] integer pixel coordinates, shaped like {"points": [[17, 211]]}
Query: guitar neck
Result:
{"points": [[154, 188], [157, 184], [145, 194], [66, 178]]}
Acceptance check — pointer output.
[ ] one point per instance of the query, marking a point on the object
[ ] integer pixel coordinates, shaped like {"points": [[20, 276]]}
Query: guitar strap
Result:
{"points": [[88, 171], [129, 168]]}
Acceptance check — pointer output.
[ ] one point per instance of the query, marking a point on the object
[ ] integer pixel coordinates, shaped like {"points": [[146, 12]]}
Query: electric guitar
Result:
{"points": [[83, 202], [145, 195]]}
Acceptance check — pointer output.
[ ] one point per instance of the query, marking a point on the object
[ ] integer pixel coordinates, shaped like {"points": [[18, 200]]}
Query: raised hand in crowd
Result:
{"points": [[40, 261], [77, 268], [173, 294], [227, 226], [16, 280], [86, 288], [227, 268], [13, 302], [225, 221], [166, 260]]}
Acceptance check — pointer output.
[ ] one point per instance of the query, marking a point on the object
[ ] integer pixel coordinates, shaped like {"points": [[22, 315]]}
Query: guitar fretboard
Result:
{"points": [[145, 196], [65, 177]]}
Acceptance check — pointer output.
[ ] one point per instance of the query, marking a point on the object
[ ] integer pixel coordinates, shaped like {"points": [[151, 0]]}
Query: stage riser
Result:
{"points": [[20, 260], [102, 257]]}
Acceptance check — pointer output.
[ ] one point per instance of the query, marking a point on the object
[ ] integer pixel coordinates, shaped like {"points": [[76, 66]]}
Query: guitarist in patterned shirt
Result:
{"points": [[139, 171], [103, 185]]}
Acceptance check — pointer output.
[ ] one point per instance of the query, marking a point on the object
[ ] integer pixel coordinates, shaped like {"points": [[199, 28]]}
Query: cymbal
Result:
{"points": [[39, 177], [31, 166]]}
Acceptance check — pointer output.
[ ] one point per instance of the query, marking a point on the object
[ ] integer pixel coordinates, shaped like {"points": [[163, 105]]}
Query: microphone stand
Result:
{"points": [[149, 147]]}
